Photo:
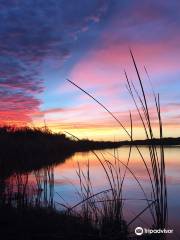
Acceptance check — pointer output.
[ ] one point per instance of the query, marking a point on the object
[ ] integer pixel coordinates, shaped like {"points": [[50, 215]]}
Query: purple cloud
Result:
{"points": [[30, 32]]}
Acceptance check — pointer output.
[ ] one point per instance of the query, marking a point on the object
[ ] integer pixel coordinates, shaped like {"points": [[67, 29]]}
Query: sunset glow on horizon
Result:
{"points": [[42, 44]]}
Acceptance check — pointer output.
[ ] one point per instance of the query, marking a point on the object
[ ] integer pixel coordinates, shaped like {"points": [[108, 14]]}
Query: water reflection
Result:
{"points": [[59, 185], [28, 189], [66, 181]]}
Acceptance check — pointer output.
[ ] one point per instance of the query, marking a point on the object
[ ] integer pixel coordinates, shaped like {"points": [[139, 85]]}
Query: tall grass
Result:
{"points": [[159, 189], [156, 172], [103, 209]]}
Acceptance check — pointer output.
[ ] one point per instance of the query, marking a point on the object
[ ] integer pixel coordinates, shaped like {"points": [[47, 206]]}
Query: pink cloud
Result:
{"points": [[105, 66], [17, 108]]}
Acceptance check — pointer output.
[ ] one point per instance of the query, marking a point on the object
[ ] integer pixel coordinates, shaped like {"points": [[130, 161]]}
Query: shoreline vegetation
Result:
{"points": [[26, 149]]}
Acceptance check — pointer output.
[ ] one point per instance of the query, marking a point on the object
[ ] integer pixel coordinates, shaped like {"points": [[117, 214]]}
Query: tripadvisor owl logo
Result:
{"points": [[139, 231]]}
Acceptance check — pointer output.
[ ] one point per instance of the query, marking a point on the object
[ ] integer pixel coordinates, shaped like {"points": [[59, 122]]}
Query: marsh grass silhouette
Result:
{"points": [[156, 172]]}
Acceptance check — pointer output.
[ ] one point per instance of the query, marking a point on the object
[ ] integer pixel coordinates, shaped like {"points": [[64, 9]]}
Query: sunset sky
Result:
{"points": [[42, 43]]}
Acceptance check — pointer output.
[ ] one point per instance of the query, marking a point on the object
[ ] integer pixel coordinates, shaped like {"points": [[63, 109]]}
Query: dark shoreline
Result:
{"points": [[95, 145], [25, 150]]}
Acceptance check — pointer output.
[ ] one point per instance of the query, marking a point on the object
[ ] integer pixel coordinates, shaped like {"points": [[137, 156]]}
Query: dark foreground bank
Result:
{"points": [[38, 223]]}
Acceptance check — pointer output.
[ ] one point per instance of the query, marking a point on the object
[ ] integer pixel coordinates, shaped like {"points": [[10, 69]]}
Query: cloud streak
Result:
{"points": [[32, 32]]}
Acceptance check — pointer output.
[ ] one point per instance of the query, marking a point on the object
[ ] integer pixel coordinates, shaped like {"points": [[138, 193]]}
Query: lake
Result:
{"points": [[66, 182]]}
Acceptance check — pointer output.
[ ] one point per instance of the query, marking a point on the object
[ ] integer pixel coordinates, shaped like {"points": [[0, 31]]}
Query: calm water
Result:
{"points": [[66, 181]]}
